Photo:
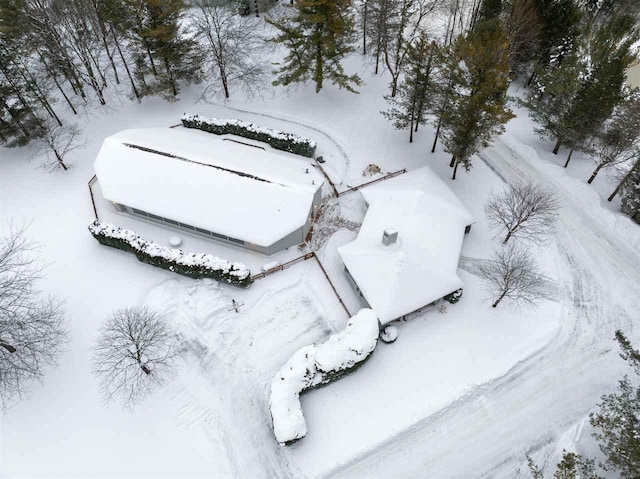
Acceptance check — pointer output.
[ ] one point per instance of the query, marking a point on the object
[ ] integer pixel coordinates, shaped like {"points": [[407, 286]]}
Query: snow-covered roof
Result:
{"points": [[209, 182], [421, 266]]}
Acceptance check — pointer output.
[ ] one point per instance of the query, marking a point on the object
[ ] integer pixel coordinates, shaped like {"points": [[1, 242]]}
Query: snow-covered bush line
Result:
{"points": [[316, 365], [276, 139], [193, 265]]}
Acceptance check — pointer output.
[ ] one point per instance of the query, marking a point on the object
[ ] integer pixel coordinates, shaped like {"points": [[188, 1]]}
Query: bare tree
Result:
{"points": [[32, 329], [618, 141], [55, 143], [524, 210], [512, 275], [134, 352], [234, 45]]}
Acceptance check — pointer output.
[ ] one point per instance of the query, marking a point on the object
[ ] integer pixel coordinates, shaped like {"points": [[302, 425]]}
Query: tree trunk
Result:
{"points": [[60, 160], [223, 78], [455, 169], [377, 60], [145, 368], [435, 140], [594, 174], [623, 181], [508, 237], [394, 85], [55, 80], [126, 67], [453, 161], [8, 347], [364, 29], [319, 67], [557, 147], [568, 158], [532, 77], [498, 300]]}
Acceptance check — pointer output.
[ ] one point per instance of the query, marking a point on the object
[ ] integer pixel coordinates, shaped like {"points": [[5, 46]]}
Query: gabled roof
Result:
{"points": [[421, 266], [209, 182]]}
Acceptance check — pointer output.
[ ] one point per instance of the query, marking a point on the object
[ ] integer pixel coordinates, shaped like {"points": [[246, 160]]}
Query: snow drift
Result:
{"points": [[316, 365]]}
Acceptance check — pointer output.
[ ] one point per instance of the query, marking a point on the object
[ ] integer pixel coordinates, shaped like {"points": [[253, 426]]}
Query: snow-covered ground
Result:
{"points": [[463, 393]]}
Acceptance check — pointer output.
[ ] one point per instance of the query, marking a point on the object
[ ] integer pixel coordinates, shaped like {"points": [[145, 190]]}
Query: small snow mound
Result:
{"points": [[389, 334], [315, 365]]}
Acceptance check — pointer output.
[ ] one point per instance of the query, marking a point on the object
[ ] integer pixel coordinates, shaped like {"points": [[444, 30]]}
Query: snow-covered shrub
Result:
{"points": [[389, 334], [194, 265], [454, 297], [316, 365], [276, 139]]}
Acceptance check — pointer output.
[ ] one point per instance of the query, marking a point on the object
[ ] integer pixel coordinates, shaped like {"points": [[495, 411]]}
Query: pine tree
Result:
{"points": [[575, 97], [489, 9], [318, 37], [408, 107], [478, 67], [617, 420], [177, 54], [631, 206], [559, 21]]}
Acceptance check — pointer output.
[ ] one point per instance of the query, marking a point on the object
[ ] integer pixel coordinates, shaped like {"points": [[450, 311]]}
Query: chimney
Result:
{"points": [[389, 237]]}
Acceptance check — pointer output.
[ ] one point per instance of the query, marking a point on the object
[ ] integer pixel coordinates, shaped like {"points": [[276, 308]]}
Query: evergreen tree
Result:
{"points": [[318, 37], [489, 9], [573, 98], [408, 107], [559, 22], [177, 54], [631, 206], [478, 67], [571, 466], [617, 420]]}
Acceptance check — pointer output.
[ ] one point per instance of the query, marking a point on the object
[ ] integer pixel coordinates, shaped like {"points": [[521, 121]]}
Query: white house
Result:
{"points": [[225, 188], [633, 75], [407, 251]]}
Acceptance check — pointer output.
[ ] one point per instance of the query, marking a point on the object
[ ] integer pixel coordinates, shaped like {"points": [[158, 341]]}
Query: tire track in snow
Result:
{"points": [[346, 163], [488, 432]]}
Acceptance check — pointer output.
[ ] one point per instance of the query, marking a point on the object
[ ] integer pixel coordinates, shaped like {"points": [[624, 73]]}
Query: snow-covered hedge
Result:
{"points": [[276, 139], [194, 265], [317, 365]]}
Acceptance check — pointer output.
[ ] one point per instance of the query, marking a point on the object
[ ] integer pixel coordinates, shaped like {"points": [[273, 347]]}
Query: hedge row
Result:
{"points": [[193, 265], [276, 139], [317, 365]]}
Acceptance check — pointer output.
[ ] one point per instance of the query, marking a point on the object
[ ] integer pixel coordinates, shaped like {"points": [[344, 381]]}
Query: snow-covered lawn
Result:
{"points": [[213, 419]]}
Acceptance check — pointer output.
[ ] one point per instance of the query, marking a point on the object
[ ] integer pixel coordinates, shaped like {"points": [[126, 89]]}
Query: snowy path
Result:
{"points": [[345, 163], [488, 432]]}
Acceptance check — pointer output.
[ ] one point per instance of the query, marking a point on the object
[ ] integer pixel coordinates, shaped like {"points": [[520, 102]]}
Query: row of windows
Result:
{"points": [[186, 226]]}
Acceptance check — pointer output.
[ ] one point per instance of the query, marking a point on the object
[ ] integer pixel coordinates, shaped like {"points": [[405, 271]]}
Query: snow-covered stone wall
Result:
{"points": [[194, 265], [316, 365]]}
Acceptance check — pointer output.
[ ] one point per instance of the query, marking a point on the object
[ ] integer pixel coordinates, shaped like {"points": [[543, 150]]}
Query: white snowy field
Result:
{"points": [[212, 419]]}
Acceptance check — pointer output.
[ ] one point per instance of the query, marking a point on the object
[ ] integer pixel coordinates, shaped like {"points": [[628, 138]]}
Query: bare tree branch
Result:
{"points": [[32, 329], [512, 274], [134, 353], [55, 143], [524, 210]]}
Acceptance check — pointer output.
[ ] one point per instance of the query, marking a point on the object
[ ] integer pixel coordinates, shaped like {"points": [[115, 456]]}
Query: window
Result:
{"points": [[171, 222], [219, 236], [189, 227], [236, 240], [155, 217], [139, 212], [200, 230]]}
